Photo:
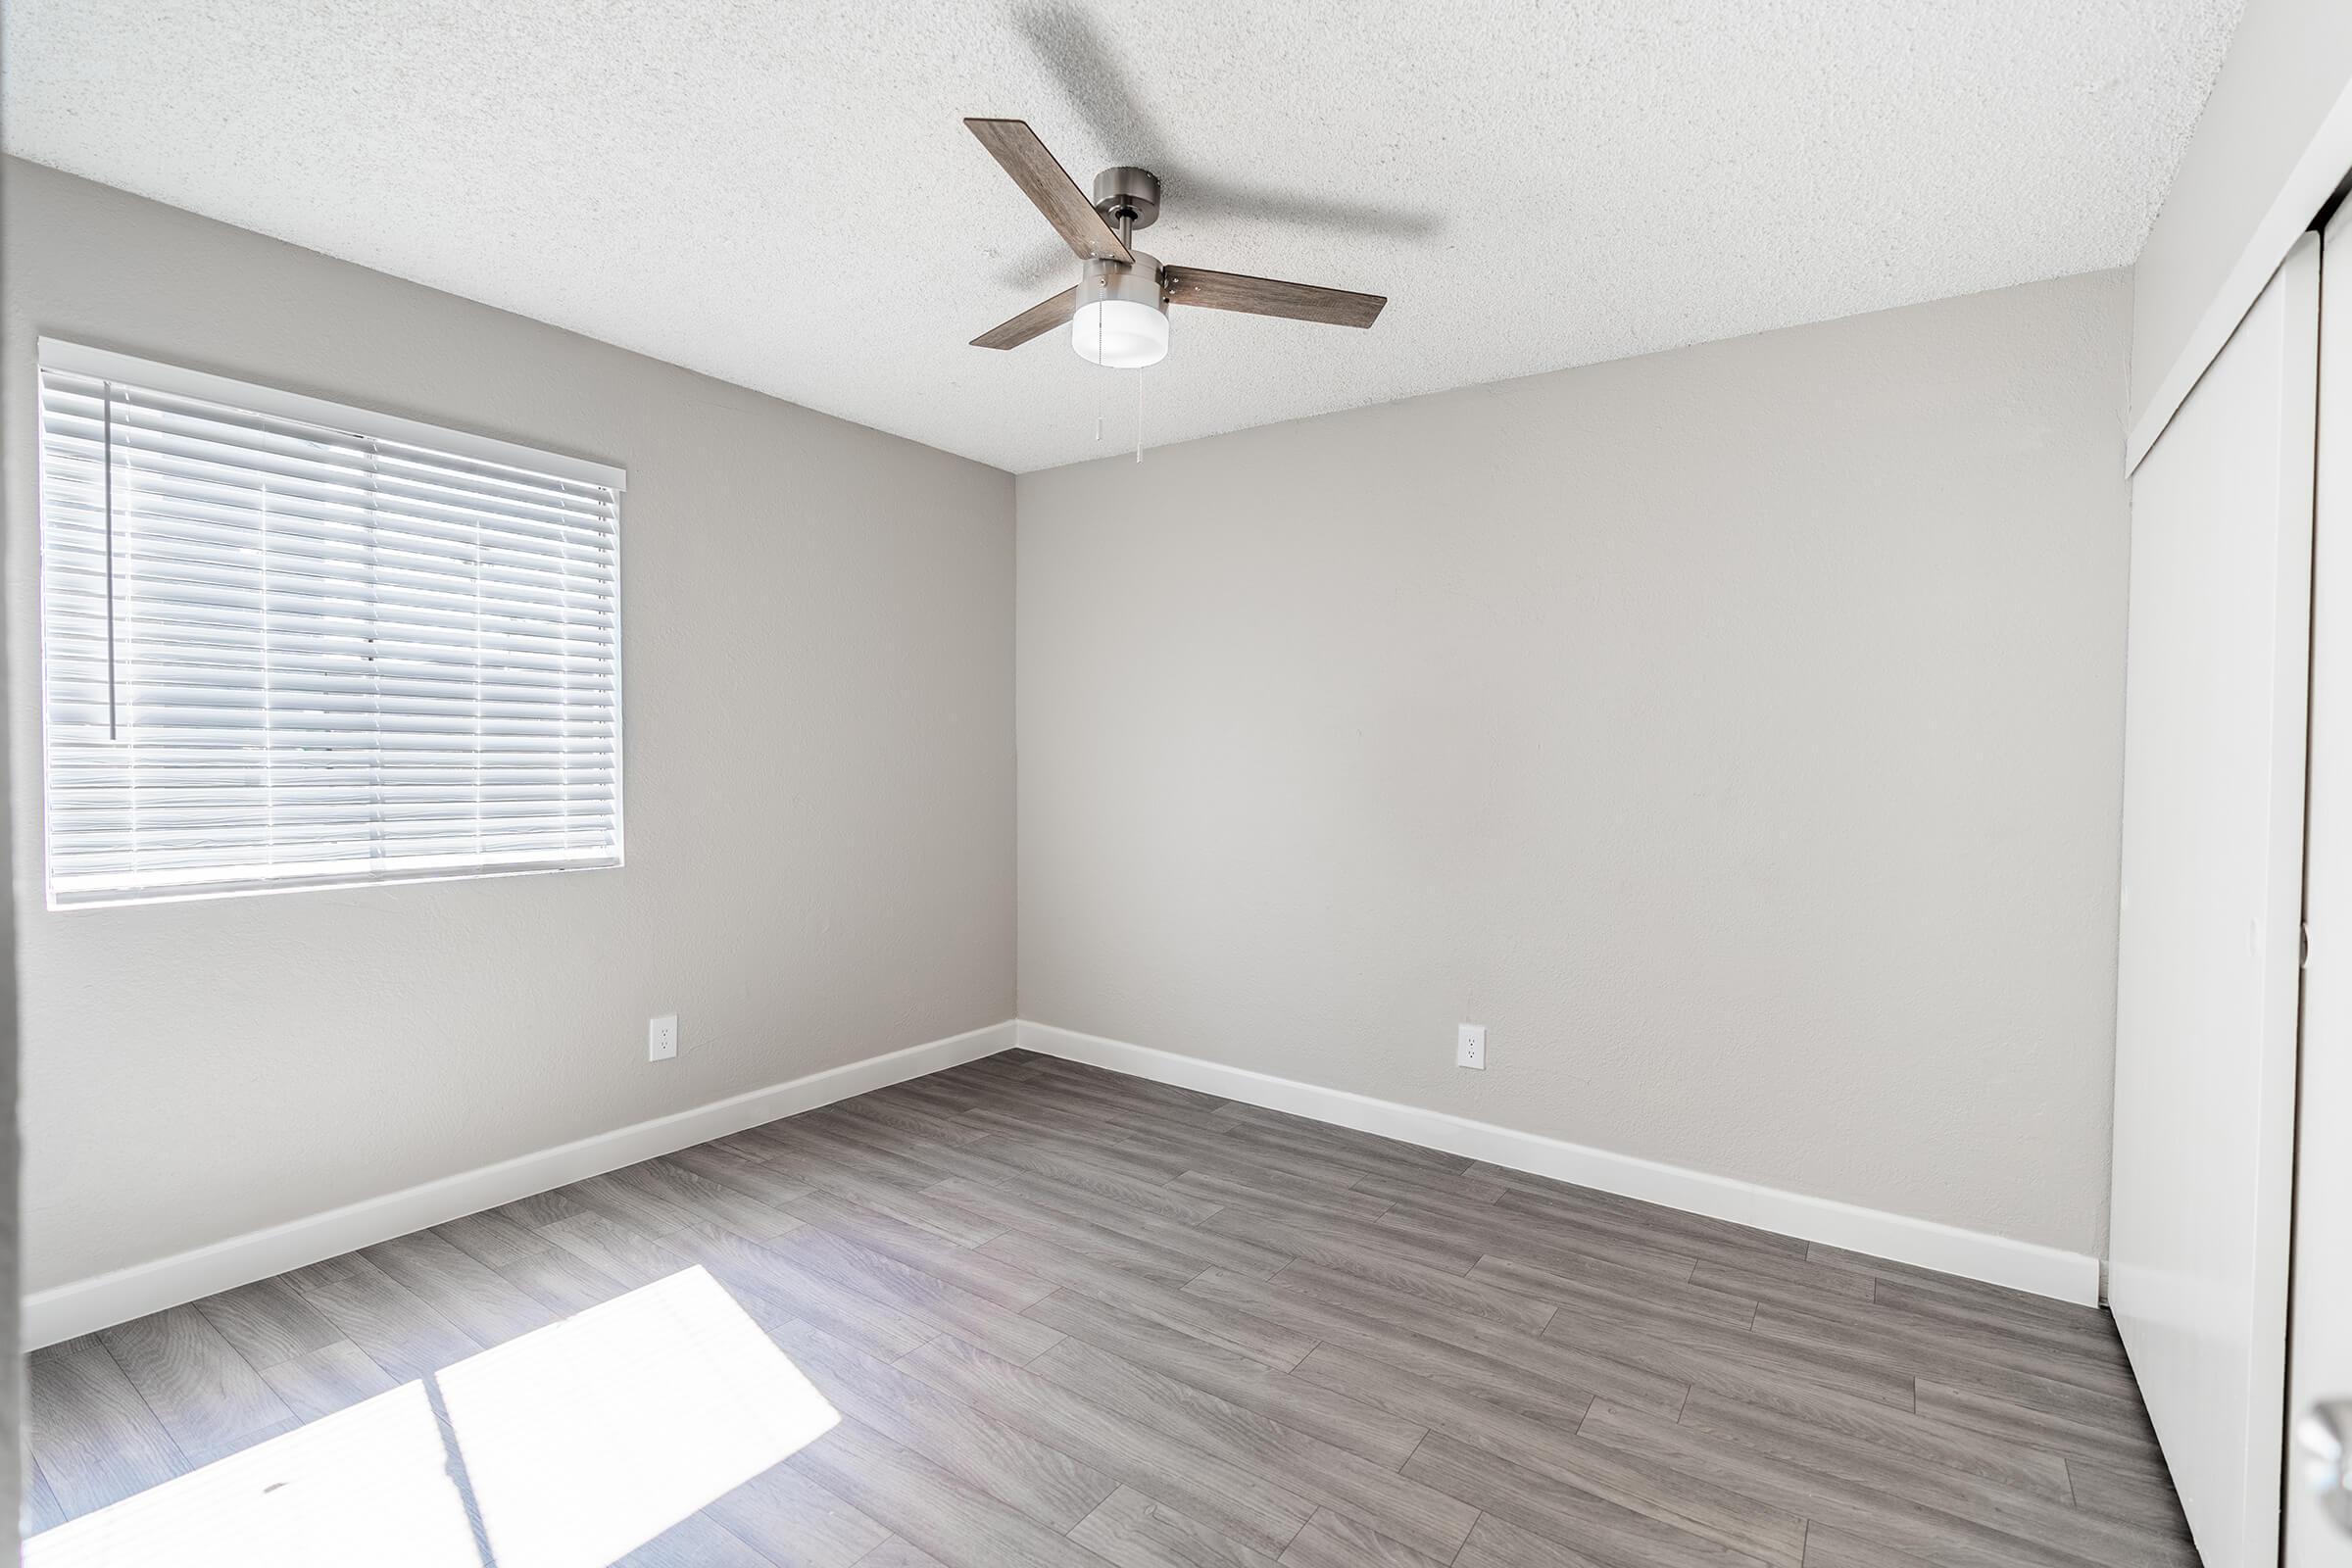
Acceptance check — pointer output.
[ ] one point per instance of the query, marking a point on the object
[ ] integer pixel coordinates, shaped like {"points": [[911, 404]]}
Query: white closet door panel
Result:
{"points": [[2320, 1345], [2212, 894]]}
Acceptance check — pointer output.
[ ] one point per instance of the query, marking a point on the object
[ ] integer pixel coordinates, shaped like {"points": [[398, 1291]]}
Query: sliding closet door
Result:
{"points": [[2206, 999], [2319, 1346]]}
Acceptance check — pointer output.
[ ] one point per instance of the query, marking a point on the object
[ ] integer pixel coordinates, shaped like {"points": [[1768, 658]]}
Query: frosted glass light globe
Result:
{"points": [[1123, 335]]}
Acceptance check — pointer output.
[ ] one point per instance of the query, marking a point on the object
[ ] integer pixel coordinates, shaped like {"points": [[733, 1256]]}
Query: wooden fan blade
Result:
{"points": [[1267, 296], [1041, 317], [1046, 182]]}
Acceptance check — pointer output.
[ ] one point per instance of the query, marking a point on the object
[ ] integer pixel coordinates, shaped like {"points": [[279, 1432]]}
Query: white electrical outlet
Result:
{"points": [[662, 1038], [1470, 1046]]}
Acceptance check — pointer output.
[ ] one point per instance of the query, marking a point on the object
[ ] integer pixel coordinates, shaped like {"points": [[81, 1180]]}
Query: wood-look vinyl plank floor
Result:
{"points": [[391, 1326], [794, 1522], [1132, 1531], [1067, 1319], [968, 1268], [1028, 1116], [1322, 1473], [207, 1396], [1533, 1432], [1043, 1482], [697, 1540], [268, 1322], [1598, 1286], [1214, 1322], [560, 1280], [1128, 1439], [1300, 1405], [484, 1302], [1334, 1541], [1608, 1531], [333, 1376], [492, 1239], [41, 1509], [93, 1439]]}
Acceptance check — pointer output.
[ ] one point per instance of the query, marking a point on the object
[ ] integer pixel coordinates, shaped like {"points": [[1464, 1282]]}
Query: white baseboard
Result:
{"points": [[65, 1310], [1927, 1243], [62, 1313]]}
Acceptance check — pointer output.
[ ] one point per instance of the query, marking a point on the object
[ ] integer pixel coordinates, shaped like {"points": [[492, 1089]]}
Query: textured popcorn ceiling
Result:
{"points": [[782, 194]]}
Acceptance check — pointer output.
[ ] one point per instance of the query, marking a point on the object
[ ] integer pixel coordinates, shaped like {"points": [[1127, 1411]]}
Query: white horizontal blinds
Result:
{"points": [[280, 653]]}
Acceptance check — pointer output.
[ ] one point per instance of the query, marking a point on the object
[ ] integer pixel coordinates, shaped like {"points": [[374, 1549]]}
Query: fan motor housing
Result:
{"points": [[1130, 192], [1107, 279]]}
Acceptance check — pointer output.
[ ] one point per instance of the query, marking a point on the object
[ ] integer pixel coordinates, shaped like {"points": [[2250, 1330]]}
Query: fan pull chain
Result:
{"points": [[1138, 416]]}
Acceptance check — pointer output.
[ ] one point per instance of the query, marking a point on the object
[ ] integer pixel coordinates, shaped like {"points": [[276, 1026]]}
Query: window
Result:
{"points": [[290, 644]]}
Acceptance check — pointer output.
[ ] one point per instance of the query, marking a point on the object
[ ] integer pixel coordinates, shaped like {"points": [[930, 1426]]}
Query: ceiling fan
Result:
{"points": [[1119, 309]]}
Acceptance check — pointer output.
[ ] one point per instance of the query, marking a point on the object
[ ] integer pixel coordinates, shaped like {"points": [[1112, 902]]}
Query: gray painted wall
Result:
{"points": [[1735, 731], [819, 778]]}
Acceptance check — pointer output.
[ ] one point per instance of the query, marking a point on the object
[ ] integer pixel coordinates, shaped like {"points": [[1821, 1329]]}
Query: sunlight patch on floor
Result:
{"points": [[587, 1439], [363, 1488], [576, 1444]]}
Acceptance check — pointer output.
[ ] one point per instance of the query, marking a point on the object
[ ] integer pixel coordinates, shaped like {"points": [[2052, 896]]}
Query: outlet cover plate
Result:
{"points": [[662, 1038], [1470, 1046]]}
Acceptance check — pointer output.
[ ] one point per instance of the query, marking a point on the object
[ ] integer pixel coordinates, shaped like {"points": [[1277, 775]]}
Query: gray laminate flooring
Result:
{"points": [[1030, 1312]]}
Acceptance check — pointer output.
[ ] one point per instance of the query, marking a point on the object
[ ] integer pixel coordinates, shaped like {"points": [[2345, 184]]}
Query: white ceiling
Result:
{"points": [[783, 195]]}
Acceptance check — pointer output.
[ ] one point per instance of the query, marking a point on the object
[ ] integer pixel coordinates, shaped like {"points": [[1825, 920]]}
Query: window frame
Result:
{"points": [[71, 357]]}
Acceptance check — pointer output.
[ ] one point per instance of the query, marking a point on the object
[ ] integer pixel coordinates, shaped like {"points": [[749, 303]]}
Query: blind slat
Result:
{"points": [[287, 654]]}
